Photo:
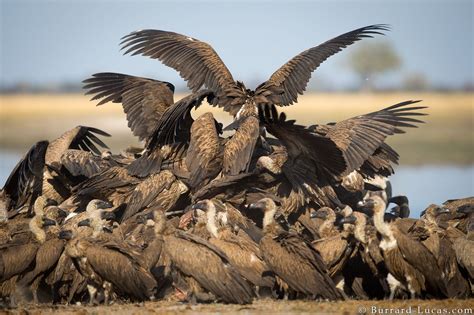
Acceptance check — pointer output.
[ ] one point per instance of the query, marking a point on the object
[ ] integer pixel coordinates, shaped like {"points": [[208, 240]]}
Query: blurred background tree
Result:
{"points": [[371, 59], [415, 82]]}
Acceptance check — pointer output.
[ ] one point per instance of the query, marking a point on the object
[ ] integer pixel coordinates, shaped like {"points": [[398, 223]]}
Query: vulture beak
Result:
{"points": [[107, 215], [50, 202], [62, 213], [200, 206], [347, 220], [48, 222], [366, 206], [422, 213], [65, 235], [318, 215], [104, 205], [442, 210], [86, 222], [142, 218]]}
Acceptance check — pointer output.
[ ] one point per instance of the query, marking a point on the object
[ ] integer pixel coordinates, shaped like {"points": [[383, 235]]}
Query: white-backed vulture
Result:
{"points": [[242, 252], [408, 261], [292, 259]]}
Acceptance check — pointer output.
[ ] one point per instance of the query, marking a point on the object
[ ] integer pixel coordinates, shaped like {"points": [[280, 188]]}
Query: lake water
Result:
{"points": [[423, 185]]}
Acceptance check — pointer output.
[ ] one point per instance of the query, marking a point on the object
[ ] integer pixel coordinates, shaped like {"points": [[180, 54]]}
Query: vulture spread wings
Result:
{"points": [[144, 100], [294, 75], [196, 61], [361, 136]]}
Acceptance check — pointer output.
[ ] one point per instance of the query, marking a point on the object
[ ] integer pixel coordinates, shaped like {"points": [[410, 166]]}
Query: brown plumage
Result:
{"points": [[204, 154], [144, 100], [24, 184], [85, 163], [408, 260], [209, 266], [239, 149], [105, 260], [158, 191], [200, 66], [55, 184], [359, 137], [242, 252], [292, 259]]}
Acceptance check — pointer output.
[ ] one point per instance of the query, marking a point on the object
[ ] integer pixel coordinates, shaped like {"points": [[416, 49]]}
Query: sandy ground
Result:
{"points": [[445, 138], [268, 307]]}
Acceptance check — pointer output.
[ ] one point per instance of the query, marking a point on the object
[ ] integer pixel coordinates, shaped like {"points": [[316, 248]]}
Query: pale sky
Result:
{"points": [[50, 42]]}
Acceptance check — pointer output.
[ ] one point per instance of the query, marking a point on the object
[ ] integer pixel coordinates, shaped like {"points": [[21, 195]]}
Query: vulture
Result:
{"points": [[201, 67], [241, 251], [293, 259], [203, 264], [410, 264], [56, 182]]}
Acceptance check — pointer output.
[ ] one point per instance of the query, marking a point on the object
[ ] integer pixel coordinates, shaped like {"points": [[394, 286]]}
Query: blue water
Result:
{"points": [[423, 185]]}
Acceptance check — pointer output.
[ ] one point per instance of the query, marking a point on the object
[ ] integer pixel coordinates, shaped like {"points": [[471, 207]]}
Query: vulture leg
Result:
{"points": [[92, 292]]}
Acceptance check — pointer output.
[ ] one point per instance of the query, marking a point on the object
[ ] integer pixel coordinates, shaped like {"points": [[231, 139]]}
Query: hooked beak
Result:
{"points": [[318, 215], [142, 218], [347, 220], [50, 202], [86, 222], [65, 235], [107, 215], [367, 205], [199, 206], [104, 205], [254, 206], [442, 210], [48, 222]]}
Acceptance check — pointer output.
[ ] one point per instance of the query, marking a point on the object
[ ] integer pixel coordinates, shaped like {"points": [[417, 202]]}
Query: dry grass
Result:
{"points": [[447, 136]]}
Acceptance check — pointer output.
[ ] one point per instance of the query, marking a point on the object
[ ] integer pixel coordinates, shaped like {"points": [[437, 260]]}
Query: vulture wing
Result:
{"points": [[143, 100], [176, 122], [239, 149], [300, 142], [79, 162], [27, 175], [359, 137], [204, 155], [294, 75], [196, 61], [81, 137]]}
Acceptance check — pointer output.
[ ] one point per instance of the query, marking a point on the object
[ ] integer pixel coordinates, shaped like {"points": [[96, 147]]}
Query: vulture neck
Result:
{"points": [[269, 218], [388, 240], [35, 228], [211, 219], [327, 227], [359, 232]]}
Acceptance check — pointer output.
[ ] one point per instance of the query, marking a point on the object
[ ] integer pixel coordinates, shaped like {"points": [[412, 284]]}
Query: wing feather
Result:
{"points": [[294, 75], [144, 100], [196, 61]]}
